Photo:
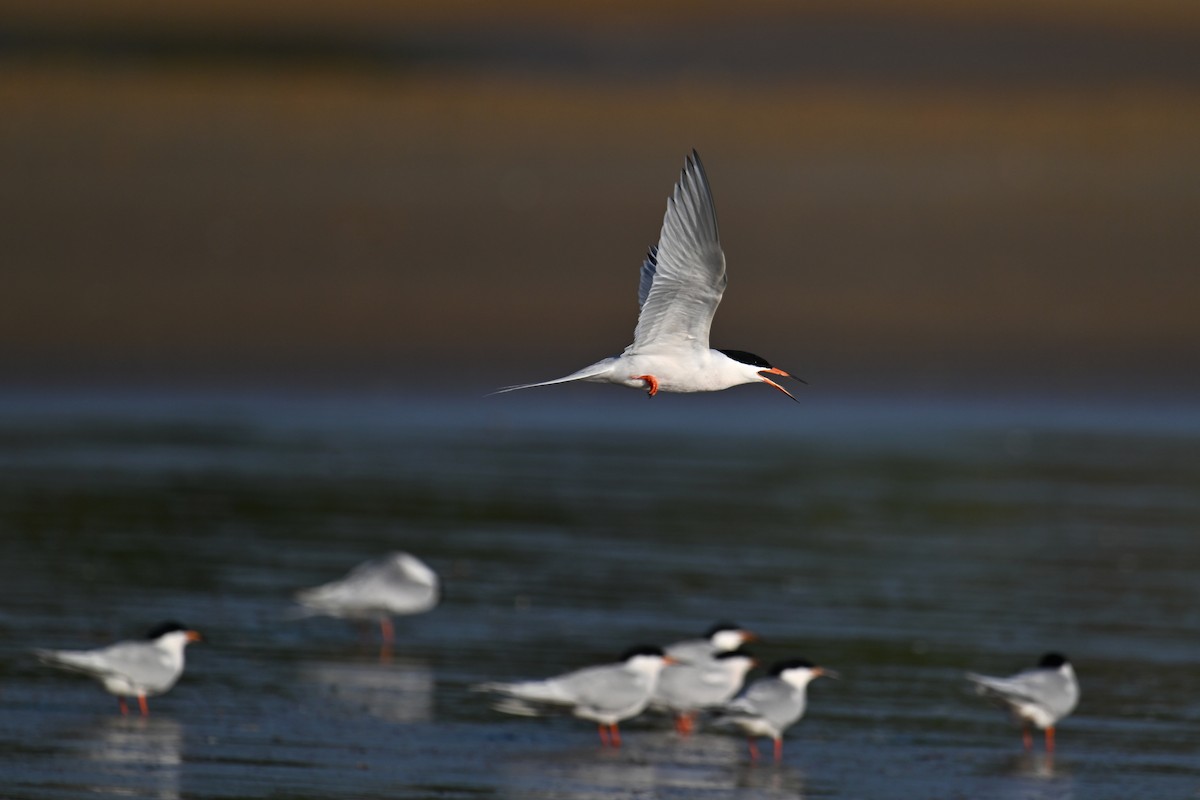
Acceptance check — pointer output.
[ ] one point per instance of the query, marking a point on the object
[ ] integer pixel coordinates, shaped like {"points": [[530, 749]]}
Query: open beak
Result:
{"points": [[821, 672], [194, 636], [776, 371]]}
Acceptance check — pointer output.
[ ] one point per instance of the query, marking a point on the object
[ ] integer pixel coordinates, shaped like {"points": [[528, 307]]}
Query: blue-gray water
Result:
{"points": [[898, 544]]}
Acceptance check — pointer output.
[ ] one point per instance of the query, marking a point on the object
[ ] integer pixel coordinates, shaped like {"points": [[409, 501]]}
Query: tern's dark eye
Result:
{"points": [[747, 358]]}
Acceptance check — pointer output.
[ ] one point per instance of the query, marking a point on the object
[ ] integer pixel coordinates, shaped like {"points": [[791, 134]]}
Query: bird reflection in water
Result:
{"points": [[136, 756], [778, 780], [1036, 765], [399, 691], [661, 762]]}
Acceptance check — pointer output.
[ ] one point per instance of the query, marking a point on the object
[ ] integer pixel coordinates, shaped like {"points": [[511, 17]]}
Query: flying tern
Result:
{"points": [[686, 689], [140, 669], [604, 694], [771, 705], [1037, 697], [397, 583], [682, 280]]}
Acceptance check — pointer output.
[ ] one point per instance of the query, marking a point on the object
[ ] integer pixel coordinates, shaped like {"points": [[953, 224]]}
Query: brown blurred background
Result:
{"points": [[368, 193]]}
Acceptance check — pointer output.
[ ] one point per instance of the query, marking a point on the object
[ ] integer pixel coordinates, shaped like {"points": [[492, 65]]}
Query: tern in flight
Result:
{"points": [[683, 279]]}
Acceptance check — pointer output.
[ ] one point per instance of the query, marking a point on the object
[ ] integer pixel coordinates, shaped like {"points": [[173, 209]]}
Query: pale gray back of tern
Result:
{"points": [[686, 689], [720, 638], [604, 694], [771, 705], [140, 669], [1037, 697], [395, 584], [682, 281]]}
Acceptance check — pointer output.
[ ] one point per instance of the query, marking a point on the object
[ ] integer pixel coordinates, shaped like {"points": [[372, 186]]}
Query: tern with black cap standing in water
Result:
{"points": [[682, 281], [604, 694], [771, 705], [140, 669], [1037, 697]]}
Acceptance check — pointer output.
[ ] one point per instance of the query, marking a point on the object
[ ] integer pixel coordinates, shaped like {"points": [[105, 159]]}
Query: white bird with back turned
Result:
{"points": [[682, 281], [1040, 696], [397, 583]]}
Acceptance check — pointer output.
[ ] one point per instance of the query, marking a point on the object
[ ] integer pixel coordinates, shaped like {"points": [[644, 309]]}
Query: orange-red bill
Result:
{"points": [[770, 382]]}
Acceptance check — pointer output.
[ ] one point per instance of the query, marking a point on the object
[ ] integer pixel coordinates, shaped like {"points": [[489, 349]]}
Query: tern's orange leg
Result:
{"points": [[778, 750], [386, 629], [604, 735], [616, 735], [753, 748], [651, 384], [1050, 739], [142, 705], [1027, 738], [684, 724], [121, 705]]}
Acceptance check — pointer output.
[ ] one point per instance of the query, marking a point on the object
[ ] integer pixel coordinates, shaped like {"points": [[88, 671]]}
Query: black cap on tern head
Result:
{"points": [[642, 650], [1052, 660], [163, 628], [747, 358], [779, 667], [723, 625]]}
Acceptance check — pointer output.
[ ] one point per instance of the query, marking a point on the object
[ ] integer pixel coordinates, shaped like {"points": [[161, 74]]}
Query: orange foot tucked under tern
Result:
{"points": [[651, 384]]}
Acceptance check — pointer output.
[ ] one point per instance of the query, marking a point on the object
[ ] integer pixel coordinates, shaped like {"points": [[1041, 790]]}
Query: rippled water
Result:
{"points": [[898, 545]]}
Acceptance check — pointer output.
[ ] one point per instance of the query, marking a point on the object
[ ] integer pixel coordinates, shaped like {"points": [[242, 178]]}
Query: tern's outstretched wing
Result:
{"points": [[683, 278]]}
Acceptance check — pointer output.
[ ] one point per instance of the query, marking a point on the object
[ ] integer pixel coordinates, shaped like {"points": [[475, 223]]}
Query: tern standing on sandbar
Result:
{"points": [[683, 279]]}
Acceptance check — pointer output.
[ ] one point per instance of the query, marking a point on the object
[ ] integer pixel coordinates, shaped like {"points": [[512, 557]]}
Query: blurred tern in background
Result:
{"points": [[604, 694], [771, 705], [686, 689], [720, 638], [682, 281], [140, 669], [1040, 696], [398, 583]]}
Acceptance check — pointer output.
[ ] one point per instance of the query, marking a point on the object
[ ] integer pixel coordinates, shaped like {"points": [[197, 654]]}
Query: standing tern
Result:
{"points": [[686, 689], [1040, 696], [773, 704], [140, 669], [720, 638], [397, 583], [682, 281], [604, 694]]}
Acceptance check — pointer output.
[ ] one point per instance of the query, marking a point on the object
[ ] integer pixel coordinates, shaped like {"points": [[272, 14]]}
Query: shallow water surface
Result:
{"points": [[898, 545]]}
